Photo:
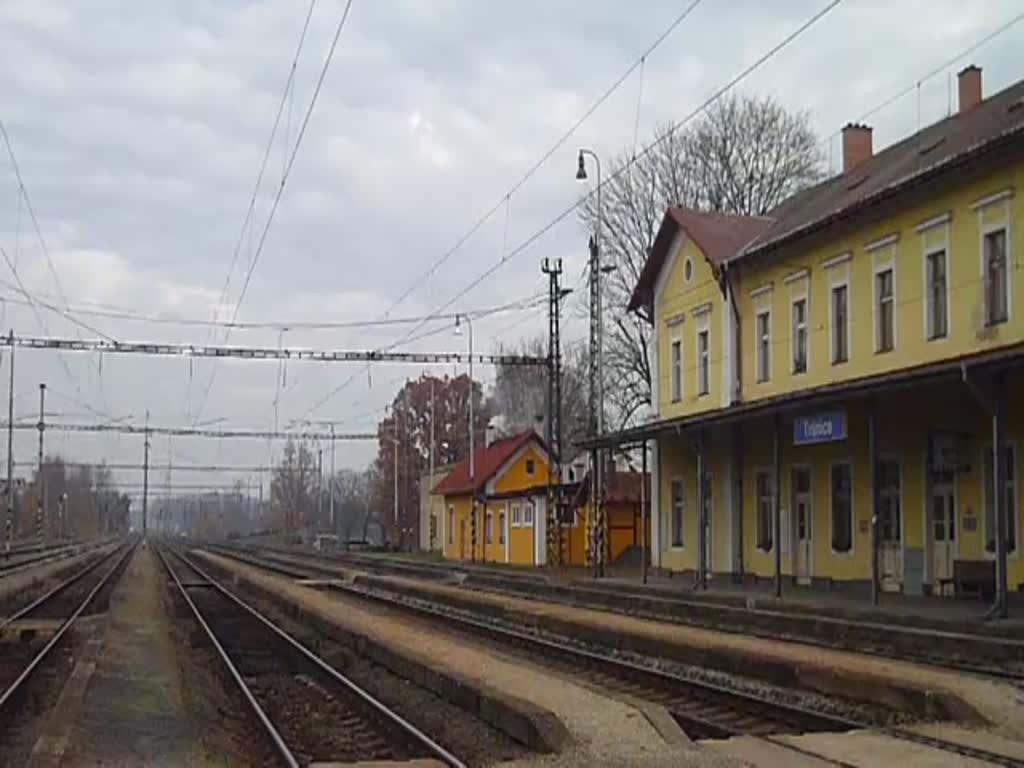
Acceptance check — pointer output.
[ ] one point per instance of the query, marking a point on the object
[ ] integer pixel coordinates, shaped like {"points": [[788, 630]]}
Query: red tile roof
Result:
{"points": [[623, 487], [718, 235], [487, 461]]}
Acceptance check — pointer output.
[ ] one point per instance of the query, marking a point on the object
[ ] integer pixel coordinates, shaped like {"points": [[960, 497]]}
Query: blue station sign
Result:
{"points": [[823, 427]]}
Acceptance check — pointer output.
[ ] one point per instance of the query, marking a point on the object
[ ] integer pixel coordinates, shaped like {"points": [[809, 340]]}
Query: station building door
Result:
{"points": [[802, 523], [942, 527], [890, 525]]}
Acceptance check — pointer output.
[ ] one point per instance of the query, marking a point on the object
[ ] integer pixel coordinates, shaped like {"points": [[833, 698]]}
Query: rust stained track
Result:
{"points": [[282, 749], [589, 658], [126, 550]]}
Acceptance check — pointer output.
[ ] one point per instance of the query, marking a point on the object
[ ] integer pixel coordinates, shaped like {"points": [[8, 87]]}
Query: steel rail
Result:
{"points": [[521, 589], [282, 749], [8, 694], [40, 555], [380, 708], [57, 589], [841, 722]]}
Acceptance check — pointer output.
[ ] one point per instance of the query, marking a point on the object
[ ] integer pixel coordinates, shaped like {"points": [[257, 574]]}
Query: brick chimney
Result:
{"points": [[856, 145], [969, 81]]}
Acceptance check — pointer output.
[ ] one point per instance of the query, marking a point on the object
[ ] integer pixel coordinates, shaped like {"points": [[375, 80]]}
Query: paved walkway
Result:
{"points": [[132, 712], [846, 602], [601, 730]]}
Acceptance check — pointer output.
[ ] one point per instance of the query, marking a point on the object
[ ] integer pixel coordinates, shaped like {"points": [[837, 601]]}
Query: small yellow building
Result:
{"points": [[830, 379], [496, 510]]}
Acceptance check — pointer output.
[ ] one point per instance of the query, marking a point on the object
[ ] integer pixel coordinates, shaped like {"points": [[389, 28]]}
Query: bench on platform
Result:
{"points": [[977, 576]]}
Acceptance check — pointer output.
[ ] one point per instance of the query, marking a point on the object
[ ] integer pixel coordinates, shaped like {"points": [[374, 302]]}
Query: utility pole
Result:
{"points": [[430, 482], [553, 269], [9, 533], [319, 487], [41, 483], [596, 391], [330, 485], [145, 476]]}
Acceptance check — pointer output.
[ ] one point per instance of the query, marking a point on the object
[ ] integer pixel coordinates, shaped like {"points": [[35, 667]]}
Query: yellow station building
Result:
{"points": [[496, 511], [836, 371]]}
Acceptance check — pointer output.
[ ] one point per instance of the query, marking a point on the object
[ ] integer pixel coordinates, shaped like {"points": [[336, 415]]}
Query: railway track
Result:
{"points": [[66, 603], [874, 639], [61, 599], [704, 710], [308, 710], [22, 560]]}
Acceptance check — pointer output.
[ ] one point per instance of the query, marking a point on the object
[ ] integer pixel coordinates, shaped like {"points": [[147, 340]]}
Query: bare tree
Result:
{"points": [[293, 485], [520, 392], [353, 502], [745, 155]]}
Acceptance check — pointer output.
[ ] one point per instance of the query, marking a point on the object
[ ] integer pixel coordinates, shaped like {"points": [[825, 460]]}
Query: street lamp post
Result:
{"points": [[472, 459], [597, 362]]}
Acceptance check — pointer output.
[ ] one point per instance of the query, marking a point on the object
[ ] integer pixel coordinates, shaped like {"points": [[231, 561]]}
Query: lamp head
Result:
{"points": [[581, 168]]}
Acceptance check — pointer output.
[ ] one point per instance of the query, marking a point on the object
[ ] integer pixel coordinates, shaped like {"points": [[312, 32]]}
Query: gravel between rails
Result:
{"points": [[317, 716], [473, 740], [224, 723]]}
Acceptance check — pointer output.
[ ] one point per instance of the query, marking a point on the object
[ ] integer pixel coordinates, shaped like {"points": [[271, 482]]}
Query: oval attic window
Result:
{"points": [[687, 270]]}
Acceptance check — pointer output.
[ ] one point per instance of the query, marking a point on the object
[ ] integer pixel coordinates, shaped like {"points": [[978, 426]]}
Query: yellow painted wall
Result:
{"points": [[458, 544], [515, 478], [904, 419], [963, 237], [678, 300]]}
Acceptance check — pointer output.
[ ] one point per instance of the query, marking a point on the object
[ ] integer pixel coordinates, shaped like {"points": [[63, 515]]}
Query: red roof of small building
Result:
{"points": [[623, 487], [487, 462], [718, 235]]}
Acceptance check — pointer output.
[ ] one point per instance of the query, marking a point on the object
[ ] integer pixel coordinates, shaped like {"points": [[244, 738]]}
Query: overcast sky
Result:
{"points": [[139, 130]]}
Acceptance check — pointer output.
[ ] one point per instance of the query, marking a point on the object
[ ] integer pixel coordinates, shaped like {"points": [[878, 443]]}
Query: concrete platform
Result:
{"points": [[123, 704], [948, 613], [577, 725], [927, 690]]}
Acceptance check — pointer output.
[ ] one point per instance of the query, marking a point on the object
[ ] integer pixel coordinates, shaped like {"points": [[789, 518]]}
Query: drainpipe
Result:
{"points": [[702, 530], [994, 407], [777, 517], [873, 458], [727, 285]]}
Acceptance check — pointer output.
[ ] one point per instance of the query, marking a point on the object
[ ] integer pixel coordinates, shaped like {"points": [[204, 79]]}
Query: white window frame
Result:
{"points": [[675, 383], [528, 514], [451, 523], [889, 265], [672, 513], [503, 530], [986, 492], [985, 231], [838, 282], [1003, 199], [488, 526], [793, 301], [769, 473], [516, 515], [928, 252], [831, 512], [703, 371], [763, 376]]}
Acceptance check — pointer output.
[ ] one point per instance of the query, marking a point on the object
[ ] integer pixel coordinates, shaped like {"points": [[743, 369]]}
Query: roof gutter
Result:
{"points": [[883, 195]]}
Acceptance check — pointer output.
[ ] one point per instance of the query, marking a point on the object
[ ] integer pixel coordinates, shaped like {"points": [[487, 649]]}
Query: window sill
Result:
{"points": [[840, 362], [943, 337], [886, 351]]}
